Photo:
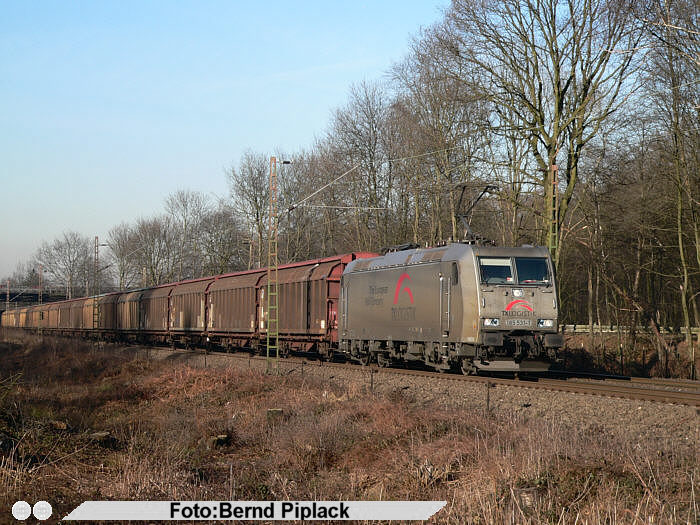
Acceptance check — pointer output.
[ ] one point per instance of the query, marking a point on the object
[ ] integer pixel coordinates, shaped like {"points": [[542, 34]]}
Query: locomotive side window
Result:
{"points": [[532, 270], [495, 270]]}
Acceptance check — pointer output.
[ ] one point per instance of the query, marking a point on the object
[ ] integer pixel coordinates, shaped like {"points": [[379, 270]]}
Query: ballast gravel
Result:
{"points": [[665, 426]]}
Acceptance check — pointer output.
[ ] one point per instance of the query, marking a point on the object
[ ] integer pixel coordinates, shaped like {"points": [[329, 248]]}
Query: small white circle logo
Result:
{"points": [[21, 510], [42, 510]]}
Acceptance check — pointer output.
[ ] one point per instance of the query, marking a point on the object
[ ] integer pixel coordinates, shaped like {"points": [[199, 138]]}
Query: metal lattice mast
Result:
{"points": [[554, 216], [96, 286], [41, 296], [272, 275]]}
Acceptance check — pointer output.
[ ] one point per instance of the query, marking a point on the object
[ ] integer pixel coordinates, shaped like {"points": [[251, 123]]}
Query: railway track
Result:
{"points": [[615, 389], [681, 392], [627, 391], [671, 383]]}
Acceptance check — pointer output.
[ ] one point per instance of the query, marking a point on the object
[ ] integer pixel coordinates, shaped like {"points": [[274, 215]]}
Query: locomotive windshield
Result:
{"points": [[500, 270], [532, 270], [496, 270]]}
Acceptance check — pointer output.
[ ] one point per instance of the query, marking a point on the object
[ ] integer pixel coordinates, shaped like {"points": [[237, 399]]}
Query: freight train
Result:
{"points": [[455, 307]]}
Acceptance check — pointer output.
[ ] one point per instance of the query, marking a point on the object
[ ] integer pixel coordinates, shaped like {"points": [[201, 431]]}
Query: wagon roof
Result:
{"points": [[109, 298], [159, 291], [292, 272], [198, 285], [77, 303], [234, 281], [312, 271], [130, 296]]}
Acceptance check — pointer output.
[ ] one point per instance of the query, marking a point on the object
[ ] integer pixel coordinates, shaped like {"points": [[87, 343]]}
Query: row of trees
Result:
{"points": [[193, 238], [583, 118]]}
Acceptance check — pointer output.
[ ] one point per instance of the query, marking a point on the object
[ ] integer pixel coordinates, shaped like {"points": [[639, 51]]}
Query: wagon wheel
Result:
{"points": [[325, 352], [330, 354], [467, 367], [366, 359], [383, 360], [283, 350]]}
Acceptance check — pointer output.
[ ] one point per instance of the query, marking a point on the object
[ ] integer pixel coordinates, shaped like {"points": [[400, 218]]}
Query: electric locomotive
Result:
{"points": [[460, 306]]}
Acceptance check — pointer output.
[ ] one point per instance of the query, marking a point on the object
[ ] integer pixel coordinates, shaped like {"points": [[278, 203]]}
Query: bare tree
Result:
{"points": [[155, 239], [223, 240], [559, 68], [300, 235], [250, 193], [67, 260], [25, 275], [187, 209], [359, 138], [442, 128], [672, 73], [674, 23], [123, 256]]}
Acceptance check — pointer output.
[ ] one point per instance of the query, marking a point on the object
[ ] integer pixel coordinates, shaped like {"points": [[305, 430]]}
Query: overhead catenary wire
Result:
{"points": [[487, 160], [324, 187], [345, 173], [301, 203], [342, 207]]}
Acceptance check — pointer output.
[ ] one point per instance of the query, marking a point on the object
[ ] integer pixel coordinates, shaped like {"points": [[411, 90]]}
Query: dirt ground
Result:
{"points": [[80, 422]]}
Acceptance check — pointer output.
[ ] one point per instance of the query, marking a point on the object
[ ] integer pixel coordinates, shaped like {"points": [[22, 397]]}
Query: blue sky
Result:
{"points": [[107, 107]]}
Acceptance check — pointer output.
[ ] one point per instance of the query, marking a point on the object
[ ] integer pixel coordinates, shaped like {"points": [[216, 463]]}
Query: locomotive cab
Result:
{"points": [[518, 311]]}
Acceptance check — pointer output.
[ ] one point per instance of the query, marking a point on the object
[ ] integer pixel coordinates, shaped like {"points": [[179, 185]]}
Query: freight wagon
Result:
{"points": [[227, 311]]}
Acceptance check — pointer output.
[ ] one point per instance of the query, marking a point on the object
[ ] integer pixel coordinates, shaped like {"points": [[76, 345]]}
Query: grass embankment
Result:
{"points": [[80, 423]]}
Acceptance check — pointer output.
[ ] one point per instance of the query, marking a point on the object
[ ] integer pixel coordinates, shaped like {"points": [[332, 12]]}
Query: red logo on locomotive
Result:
{"points": [[518, 303], [406, 288]]}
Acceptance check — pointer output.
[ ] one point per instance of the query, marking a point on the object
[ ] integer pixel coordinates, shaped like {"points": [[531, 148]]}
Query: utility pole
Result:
{"points": [[272, 274], [7, 301]]}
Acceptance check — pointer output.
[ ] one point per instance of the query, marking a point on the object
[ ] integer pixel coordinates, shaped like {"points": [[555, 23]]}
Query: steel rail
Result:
{"points": [[606, 388], [674, 383], [644, 383]]}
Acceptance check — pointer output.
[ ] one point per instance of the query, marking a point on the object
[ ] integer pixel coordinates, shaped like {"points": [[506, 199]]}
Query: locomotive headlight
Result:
{"points": [[491, 321], [545, 323]]}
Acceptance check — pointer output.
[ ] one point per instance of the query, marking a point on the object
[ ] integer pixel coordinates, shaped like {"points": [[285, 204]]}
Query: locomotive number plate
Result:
{"points": [[518, 322]]}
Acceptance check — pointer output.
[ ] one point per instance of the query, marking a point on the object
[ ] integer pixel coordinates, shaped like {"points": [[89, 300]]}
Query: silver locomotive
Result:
{"points": [[459, 306]]}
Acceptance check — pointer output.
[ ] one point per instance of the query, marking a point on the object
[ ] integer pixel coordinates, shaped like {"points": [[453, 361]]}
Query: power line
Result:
{"points": [[324, 187], [296, 205], [342, 207]]}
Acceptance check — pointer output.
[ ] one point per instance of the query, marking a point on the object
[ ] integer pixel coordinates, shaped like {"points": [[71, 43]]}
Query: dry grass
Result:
{"points": [[170, 431], [641, 359]]}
